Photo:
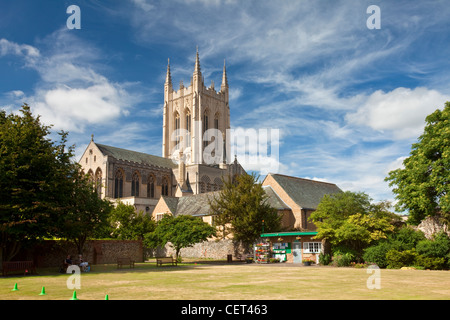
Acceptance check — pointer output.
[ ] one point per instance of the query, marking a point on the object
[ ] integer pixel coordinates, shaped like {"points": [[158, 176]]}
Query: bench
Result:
{"points": [[25, 266], [166, 260], [125, 262]]}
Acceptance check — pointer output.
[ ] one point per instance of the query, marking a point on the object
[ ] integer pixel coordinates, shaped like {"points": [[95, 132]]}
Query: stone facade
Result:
{"points": [[215, 249], [432, 225]]}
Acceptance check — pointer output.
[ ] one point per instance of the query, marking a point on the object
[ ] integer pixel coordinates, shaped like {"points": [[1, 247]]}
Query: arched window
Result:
{"points": [[135, 185], [91, 177], [151, 187], [118, 184], [216, 121], [202, 187], [205, 127], [98, 182], [188, 128], [177, 131], [165, 187]]}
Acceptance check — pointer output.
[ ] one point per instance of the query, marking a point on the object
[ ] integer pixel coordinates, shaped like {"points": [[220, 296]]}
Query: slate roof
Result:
{"points": [[304, 192], [198, 204], [194, 205], [274, 200], [137, 157]]}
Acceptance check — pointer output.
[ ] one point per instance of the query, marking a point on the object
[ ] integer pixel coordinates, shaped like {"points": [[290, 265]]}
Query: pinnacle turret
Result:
{"points": [[168, 76], [197, 64], [224, 78]]}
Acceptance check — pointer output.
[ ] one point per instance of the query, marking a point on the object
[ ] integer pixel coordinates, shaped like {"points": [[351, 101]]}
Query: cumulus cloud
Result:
{"points": [[71, 93], [73, 108], [401, 112]]}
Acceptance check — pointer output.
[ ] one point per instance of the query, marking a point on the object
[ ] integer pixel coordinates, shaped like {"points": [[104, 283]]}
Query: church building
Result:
{"points": [[195, 160], [192, 161]]}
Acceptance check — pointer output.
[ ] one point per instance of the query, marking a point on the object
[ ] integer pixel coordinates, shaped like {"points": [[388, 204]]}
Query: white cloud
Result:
{"points": [[9, 47], [144, 5], [71, 93], [401, 112], [73, 108]]}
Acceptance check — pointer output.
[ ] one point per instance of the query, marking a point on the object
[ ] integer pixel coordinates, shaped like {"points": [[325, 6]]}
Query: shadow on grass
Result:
{"points": [[148, 266]]}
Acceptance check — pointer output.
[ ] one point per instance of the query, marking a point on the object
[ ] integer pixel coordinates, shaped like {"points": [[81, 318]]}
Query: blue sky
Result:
{"points": [[349, 101]]}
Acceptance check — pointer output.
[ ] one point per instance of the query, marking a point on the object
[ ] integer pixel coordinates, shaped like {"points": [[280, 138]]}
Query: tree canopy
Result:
{"points": [[422, 186], [43, 192], [127, 224], [242, 210], [181, 232], [351, 220], [35, 172]]}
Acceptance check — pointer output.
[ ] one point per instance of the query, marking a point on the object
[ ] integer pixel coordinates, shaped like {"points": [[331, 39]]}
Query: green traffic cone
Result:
{"points": [[74, 296], [15, 287], [106, 297], [42, 292]]}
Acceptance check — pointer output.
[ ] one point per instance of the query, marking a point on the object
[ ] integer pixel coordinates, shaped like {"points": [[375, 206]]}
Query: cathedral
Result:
{"points": [[193, 160]]}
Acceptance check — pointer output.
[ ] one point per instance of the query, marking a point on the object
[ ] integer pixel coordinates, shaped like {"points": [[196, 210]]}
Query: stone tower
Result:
{"points": [[189, 113]]}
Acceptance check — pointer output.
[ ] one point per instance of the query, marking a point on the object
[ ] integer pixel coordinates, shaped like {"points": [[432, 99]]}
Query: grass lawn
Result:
{"points": [[236, 281]]}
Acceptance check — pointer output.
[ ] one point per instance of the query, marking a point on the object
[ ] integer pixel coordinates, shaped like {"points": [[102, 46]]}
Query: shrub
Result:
{"points": [[343, 260], [430, 262], [439, 247], [396, 259], [406, 238], [377, 254], [324, 259]]}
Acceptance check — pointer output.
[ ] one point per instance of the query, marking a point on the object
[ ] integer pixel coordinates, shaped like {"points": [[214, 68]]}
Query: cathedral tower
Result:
{"points": [[188, 114]]}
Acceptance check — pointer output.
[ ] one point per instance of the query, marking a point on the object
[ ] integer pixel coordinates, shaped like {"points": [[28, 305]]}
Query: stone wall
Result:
{"points": [[214, 249], [51, 253]]}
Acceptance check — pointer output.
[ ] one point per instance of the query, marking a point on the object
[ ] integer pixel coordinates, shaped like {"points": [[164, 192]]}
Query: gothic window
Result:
{"points": [[165, 187], [90, 176], [151, 187], [205, 184], [216, 121], [98, 182], [202, 187], [205, 128], [188, 128], [177, 131], [118, 184], [135, 185]]}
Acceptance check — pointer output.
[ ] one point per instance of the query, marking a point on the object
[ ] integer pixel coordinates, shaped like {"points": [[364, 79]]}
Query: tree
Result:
{"points": [[35, 174], [86, 215], [242, 210], [422, 187], [349, 219], [181, 232], [127, 224]]}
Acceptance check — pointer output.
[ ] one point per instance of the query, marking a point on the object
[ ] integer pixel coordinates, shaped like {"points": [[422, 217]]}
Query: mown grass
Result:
{"points": [[234, 281]]}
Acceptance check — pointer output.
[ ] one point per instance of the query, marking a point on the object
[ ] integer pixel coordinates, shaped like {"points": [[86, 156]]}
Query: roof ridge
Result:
{"points": [[128, 150], [135, 156], [304, 179]]}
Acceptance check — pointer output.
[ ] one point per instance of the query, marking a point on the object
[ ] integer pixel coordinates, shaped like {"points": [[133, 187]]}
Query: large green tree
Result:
{"points": [[181, 232], [242, 209], [127, 224], [351, 220], [86, 214], [35, 174], [422, 186]]}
